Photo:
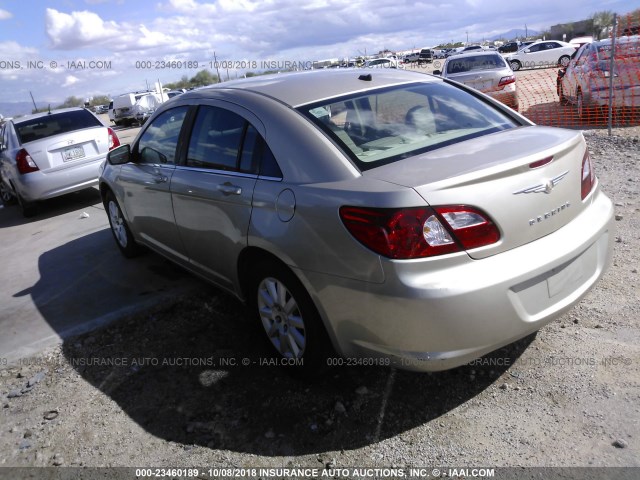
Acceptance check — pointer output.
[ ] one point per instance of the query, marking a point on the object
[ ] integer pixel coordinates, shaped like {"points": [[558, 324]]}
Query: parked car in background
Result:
{"points": [[426, 56], [412, 57], [485, 71], [50, 154], [509, 47], [442, 225], [137, 107], [99, 109], [175, 93], [382, 63], [585, 81], [542, 54]]}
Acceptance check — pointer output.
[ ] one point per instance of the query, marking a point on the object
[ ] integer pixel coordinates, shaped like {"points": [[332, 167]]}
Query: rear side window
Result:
{"points": [[386, 125], [55, 124], [223, 140], [215, 139]]}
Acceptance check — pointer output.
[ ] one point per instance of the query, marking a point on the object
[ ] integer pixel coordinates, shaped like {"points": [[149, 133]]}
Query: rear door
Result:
{"points": [[212, 189]]}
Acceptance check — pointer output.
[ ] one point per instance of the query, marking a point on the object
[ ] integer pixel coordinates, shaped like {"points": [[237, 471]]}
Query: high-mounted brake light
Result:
{"points": [[588, 179], [25, 163], [419, 232]]}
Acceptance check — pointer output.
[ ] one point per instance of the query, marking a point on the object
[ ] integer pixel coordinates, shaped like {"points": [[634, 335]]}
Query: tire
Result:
{"points": [[29, 209], [289, 319], [564, 60], [119, 228], [6, 196], [563, 99], [515, 65]]}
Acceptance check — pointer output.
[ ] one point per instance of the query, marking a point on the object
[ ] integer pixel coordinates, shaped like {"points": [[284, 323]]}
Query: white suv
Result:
{"points": [[550, 53]]}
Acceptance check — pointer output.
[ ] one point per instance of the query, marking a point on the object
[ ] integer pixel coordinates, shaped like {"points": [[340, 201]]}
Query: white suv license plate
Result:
{"points": [[72, 154]]}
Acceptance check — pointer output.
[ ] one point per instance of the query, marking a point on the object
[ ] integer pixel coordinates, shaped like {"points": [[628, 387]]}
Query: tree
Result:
{"points": [[99, 100], [71, 102], [202, 78], [601, 21]]}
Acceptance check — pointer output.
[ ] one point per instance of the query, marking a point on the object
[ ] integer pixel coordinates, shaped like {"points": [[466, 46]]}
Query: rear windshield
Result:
{"points": [[478, 62], [55, 124], [386, 125]]}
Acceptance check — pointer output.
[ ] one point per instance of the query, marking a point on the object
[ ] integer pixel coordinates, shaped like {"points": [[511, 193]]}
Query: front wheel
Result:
{"points": [[515, 65], [119, 228], [6, 196], [563, 98], [289, 318]]}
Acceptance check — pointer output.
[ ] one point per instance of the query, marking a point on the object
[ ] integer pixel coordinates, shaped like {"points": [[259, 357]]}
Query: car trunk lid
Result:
{"points": [[528, 180], [70, 148]]}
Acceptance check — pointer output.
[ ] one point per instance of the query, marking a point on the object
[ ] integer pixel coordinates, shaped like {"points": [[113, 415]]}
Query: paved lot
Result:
{"points": [[62, 273]]}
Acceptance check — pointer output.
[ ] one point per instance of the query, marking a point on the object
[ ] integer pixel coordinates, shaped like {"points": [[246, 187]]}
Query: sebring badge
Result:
{"points": [[545, 187]]}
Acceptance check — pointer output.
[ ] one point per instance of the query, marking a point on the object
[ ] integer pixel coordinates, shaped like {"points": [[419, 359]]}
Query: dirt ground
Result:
{"points": [[159, 389]]}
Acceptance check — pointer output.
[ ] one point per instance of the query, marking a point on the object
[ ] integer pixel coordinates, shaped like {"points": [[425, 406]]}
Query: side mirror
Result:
{"points": [[437, 72], [526, 50], [120, 155]]}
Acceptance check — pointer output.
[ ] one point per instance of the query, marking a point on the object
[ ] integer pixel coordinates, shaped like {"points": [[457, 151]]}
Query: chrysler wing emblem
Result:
{"points": [[545, 186]]}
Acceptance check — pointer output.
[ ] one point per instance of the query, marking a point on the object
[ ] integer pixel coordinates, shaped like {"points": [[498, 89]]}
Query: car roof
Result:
{"points": [[619, 40], [45, 114], [473, 54], [300, 88]]}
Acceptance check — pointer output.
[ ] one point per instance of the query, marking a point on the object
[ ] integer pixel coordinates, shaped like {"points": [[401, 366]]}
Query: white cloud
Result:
{"points": [[70, 80], [5, 15], [78, 29]]}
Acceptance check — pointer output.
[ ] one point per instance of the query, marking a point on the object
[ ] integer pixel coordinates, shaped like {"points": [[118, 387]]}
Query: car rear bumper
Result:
{"points": [[437, 314], [41, 185]]}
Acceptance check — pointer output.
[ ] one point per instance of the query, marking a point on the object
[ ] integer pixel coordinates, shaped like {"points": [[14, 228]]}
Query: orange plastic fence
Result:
{"points": [[579, 95]]}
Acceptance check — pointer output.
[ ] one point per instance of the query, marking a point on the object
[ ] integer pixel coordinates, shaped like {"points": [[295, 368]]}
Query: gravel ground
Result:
{"points": [[128, 395]]}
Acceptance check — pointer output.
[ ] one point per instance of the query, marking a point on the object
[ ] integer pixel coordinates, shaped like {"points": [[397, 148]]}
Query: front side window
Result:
{"points": [[159, 141], [386, 125]]}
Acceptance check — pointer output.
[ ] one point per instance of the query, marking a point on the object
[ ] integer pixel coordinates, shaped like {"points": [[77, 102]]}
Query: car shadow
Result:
{"points": [[86, 283], [54, 207], [195, 370]]}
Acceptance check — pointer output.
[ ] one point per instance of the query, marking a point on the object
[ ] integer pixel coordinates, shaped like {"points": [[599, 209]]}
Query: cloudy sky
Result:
{"points": [[59, 48]]}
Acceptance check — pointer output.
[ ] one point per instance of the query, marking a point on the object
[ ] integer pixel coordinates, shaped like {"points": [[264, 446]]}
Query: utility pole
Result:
{"points": [[467, 38], [526, 32]]}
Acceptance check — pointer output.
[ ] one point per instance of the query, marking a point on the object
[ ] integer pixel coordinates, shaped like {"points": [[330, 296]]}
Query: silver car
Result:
{"points": [[50, 154], [485, 71], [391, 216], [586, 80]]}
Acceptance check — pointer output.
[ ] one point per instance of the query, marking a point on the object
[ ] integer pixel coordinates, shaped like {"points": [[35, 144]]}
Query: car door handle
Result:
{"points": [[159, 178], [229, 189]]}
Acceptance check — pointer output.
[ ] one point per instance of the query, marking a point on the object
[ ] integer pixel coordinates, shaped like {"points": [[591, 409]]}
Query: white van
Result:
{"points": [[135, 107]]}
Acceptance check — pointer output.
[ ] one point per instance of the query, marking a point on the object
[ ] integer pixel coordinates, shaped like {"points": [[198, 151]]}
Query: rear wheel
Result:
{"points": [[119, 228], [564, 60], [29, 209], [289, 318], [515, 65]]}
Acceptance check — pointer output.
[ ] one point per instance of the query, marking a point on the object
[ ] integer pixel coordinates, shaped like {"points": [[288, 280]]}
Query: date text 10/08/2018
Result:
{"points": [[222, 64]]}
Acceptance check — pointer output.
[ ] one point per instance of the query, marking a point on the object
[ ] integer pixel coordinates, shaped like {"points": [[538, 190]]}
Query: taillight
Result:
{"points": [[25, 163], [113, 139], [419, 232], [588, 179], [507, 80]]}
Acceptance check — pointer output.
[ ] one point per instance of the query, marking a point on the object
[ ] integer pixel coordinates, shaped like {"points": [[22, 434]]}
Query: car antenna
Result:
{"points": [[49, 109]]}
